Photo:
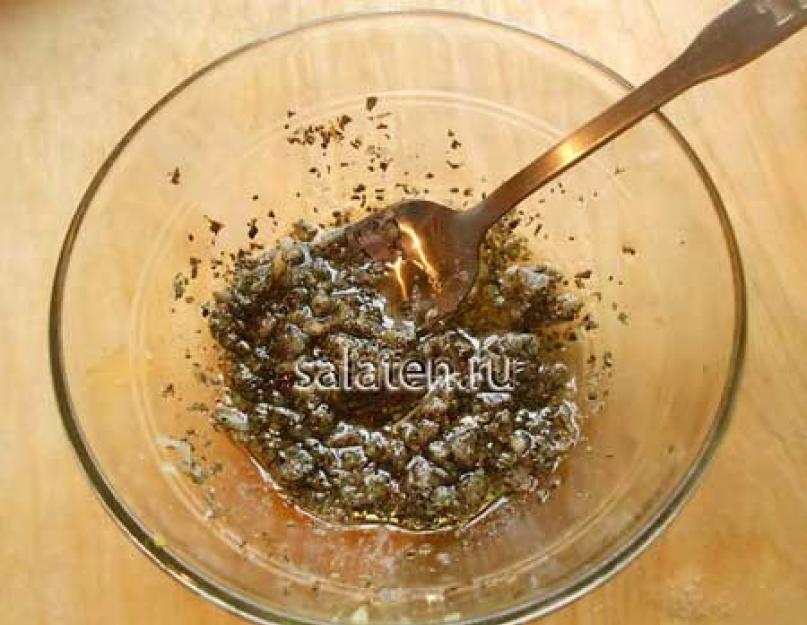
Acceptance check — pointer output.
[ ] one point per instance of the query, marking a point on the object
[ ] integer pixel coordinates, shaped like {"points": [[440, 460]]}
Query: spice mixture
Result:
{"points": [[423, 460], [426, 458]]}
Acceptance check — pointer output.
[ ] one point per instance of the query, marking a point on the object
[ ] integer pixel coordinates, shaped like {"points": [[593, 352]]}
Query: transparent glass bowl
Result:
{"points": [[642, 214]]}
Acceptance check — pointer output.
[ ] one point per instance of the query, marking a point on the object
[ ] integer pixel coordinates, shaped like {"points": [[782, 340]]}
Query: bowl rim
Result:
{"points": [[522, 613]]}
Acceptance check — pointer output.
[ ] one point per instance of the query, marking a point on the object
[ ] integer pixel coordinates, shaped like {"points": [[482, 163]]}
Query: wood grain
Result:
{"points": [[75, 74]]}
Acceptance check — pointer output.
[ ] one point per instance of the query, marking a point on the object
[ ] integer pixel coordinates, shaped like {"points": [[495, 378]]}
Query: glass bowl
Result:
{"points": [[642, 214]]}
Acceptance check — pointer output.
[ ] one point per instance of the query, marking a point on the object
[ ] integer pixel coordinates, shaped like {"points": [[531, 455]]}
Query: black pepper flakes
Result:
{"points": [[215, 226], [252, 232]]}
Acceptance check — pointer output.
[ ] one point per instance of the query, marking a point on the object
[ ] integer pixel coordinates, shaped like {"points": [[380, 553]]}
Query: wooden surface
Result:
{"points": [[75, 74]]}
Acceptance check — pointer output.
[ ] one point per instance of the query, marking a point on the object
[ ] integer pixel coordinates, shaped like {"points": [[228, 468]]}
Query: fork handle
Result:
{"points": [[744, 32]]}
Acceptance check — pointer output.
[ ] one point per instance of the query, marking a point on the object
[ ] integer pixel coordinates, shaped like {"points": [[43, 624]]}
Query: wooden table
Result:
{"points": [[75, 74]]}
